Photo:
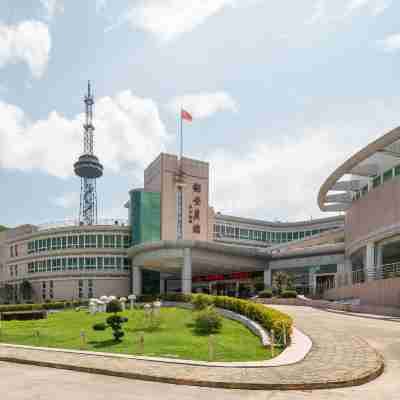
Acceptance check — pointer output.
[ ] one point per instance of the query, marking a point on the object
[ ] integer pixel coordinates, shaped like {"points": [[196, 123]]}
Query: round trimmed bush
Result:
{"points": [[100, 326], [201, 301], [289, 294], [207, 321], [265, 294]]}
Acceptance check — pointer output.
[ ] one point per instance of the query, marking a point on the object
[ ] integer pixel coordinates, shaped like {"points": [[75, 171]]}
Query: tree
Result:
{"points": [[26, 290], [280, 281]]}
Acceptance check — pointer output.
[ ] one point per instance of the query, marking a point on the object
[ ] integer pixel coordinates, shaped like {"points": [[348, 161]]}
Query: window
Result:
{"points": [[127, 241], [397, 171], [99, 241], [99, 262], [196, 187], [302, 234], [90, 288], [80, 288], [244, 233], [81, 241], [118, 241], [81, 263], [63, 242], [295, 235], [197, 201], [70, 242]]}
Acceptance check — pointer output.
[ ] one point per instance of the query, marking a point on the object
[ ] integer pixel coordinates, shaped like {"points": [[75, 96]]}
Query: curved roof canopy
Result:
{"points": [[336, 194]]}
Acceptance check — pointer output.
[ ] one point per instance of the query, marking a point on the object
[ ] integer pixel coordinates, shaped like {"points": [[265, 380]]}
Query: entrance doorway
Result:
{"points": [[324, 282]]}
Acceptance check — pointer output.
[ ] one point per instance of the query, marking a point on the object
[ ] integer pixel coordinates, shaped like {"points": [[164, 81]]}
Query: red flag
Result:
{"points": [[186, 115]]}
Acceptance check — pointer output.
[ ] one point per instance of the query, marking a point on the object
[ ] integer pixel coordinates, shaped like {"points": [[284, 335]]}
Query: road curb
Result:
{"points": [[371, 375]]}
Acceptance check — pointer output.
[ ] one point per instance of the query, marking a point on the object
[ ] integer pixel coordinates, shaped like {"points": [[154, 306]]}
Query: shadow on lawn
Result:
{"points": [[103, 343]]}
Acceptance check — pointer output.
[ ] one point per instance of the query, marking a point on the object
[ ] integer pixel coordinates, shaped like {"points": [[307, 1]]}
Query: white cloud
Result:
{"points": [[339, 10], [100, 5], [167, 19], [282, 179], [391, 43], [27, 42], [203, 105], [52, 7], [129, 133], [375, 7]]}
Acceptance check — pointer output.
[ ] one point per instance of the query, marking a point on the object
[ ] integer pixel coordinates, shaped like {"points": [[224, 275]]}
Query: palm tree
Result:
{"points": [[280, 280]]}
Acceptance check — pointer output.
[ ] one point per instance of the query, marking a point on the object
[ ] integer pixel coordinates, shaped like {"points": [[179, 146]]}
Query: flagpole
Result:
{"points": [[181, 131]]}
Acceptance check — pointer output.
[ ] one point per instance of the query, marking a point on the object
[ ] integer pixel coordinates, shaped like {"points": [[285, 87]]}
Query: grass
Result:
{"points": [[174, 338]]}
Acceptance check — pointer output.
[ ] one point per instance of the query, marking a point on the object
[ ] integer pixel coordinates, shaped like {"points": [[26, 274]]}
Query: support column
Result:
{"points": [[379, 262], [187, 272], [267, 278], [137, 280], [162, 286], [370, 261]]}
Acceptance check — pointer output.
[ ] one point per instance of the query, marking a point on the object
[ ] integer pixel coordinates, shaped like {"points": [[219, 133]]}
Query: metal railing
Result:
{"points": [[76, 222], [388, 271]]}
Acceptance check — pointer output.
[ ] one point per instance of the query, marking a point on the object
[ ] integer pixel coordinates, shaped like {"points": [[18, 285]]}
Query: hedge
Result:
{"points": [[289, 294], [270, 319], [43, 306]]}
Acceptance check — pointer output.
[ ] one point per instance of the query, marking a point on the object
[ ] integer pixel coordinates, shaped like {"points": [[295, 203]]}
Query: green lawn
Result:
{"points": [[174, 338]]}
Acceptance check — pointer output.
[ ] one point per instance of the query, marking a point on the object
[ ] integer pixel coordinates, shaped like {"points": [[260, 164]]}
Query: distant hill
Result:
{"points": [[3, 228]]}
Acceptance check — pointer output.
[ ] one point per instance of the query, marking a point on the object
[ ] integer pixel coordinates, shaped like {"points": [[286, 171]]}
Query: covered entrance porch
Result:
{"points": [[183, 264]]}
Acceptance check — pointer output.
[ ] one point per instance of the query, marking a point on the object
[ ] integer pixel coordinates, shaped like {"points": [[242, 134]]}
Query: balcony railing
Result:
{"points": [[76, 222], [388, 271]]}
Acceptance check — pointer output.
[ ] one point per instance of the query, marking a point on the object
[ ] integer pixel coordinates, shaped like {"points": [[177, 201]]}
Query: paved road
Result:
{"points": [[27, 382]]}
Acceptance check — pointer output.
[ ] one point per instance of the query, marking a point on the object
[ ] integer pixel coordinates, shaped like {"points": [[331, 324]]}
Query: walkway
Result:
{"points": [[339, 357]]}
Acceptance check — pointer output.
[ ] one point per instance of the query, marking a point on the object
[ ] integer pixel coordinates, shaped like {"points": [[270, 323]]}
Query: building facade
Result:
{"points": [[65, 262], [172, 241]]}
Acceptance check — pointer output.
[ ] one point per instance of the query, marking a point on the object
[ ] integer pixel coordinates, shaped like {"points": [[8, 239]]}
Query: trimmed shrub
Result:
{"points": [[201, 301], [115, 322], [259, 286], [207, 321], [114, 306], [265, 294], [178, 297], [289, 294], [100, 326]]}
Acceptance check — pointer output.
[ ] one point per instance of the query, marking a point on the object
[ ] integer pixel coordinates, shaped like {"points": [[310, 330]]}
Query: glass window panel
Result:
{"points": [[99, 241], [119, 241]]}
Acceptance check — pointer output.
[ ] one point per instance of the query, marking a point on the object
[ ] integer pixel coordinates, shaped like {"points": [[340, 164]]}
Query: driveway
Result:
{"points": [[29, 382]]}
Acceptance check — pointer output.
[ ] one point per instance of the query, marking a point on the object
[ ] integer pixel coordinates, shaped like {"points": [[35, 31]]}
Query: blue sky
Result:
{"points": [[281, 92]]}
